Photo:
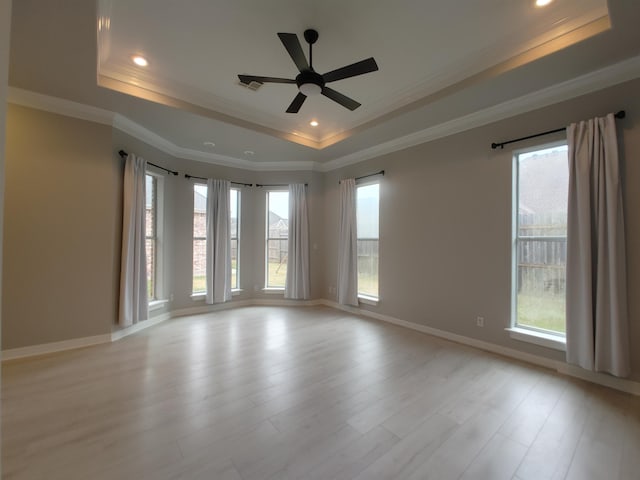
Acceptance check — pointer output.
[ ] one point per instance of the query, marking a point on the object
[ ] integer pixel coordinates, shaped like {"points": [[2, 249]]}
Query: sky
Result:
{"points": [[279, 203]]}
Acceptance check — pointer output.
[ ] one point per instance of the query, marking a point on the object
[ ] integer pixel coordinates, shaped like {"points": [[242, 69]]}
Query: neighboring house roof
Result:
{"points": [[199, 203], [275, 219], [539, 192]]}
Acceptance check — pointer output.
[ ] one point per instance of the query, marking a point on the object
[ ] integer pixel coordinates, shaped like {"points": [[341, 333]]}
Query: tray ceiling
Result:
{"points": [[196, 49]]}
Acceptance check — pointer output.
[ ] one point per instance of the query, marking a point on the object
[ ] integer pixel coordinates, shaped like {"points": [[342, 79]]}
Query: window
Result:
{"points": [[199, 239], [234, 206], [541, 185], [152, 236], [199, 282], [367, 214], [277, 238]]}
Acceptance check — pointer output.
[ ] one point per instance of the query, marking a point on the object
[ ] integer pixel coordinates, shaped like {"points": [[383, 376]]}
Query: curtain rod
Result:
{"points": [[381, 172], [276, 185], [123, 154], [620, 114], [186, 175]]}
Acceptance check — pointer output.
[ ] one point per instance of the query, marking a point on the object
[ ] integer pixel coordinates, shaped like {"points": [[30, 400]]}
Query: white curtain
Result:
{"points": [[133, 263], [218, 241], [297, 281], [347, 245], [597, 324]]}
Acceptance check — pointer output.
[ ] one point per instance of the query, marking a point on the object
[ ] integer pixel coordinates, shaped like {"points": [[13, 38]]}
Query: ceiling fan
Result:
{"points": [[310, 82]]}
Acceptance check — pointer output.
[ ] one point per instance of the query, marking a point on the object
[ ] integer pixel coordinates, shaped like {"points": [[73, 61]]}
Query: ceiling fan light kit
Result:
{"points": [[308, 81]]}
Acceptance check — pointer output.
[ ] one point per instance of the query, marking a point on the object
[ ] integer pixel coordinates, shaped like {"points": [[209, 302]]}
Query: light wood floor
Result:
{"points": [[305, 393]]}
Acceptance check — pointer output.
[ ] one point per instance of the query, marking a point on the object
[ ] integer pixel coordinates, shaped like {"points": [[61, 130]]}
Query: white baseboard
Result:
{"points": [[253, 302], [563, 368], [72, 344], [46, 348], [118, 334]]}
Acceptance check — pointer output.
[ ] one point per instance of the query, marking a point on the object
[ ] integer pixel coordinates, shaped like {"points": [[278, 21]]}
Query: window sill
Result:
{"points": [[273, 290], [538, 338], [198, 297], [157, 304], [367, 300]]}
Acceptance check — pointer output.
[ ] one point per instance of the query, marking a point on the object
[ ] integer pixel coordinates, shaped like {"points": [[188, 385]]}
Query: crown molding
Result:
{"points": [[61, 106], [591, 82], [141, 133], [588, 83], [89, 113]]}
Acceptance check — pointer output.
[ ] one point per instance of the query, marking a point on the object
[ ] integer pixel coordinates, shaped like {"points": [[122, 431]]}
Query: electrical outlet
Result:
{"points": [[480, 321]]}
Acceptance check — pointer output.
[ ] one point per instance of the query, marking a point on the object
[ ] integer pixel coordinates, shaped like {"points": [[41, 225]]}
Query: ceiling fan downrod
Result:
{"points": [[311, 37]]}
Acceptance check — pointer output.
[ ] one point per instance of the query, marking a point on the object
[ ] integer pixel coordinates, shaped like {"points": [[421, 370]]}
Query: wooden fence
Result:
{"points": [[542, 253]]}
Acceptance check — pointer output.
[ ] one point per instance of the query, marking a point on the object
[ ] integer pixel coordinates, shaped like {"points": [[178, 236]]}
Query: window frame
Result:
{"points": [[268, 287], [158, 217], [197, 293], [200, 294], [236, 287], [365, 298], [539, 336]]}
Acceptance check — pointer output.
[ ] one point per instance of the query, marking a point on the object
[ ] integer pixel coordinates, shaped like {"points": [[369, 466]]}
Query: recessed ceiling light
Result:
{"points": [[249, 152], [543, 3], [209, 144], [313, 123], [140, 61]]}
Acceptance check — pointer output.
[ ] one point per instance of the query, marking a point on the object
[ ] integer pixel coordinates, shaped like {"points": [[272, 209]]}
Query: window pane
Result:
{"points": [[234, 263], [150, 234], [543, 180], [277, 238], [368, 211], [150, 246], [367, 218], [199, 238], [234, 207], [277, 263], [368, 267]]}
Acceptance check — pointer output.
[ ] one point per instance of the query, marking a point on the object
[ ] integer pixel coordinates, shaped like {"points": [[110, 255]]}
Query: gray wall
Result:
{"points": [[5, 28], [61, 229], [179, 221], [445, 222], [445, 225]]}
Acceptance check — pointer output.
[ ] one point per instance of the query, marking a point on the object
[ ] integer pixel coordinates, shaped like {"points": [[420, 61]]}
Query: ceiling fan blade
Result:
{"points": [[340, 98], [358, 68], [292, 44], [297, 103], [253, 78]]}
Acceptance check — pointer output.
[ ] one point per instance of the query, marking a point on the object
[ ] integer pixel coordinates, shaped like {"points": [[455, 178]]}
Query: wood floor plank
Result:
{"points": [[498, 460], [308, 394]]}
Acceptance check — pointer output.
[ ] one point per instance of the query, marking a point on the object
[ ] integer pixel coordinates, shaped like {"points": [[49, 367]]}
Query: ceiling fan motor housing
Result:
{"points": [[309, 82], [311, 36]]}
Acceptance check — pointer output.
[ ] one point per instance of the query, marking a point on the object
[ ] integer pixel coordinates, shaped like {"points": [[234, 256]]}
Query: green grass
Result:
{"points": [[277, 276], [200, 282], [368, 285], [545, 312], [149, 288]]}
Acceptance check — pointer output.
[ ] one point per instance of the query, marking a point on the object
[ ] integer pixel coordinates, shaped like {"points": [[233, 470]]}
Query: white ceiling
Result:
{"points": [[439, 60]]}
